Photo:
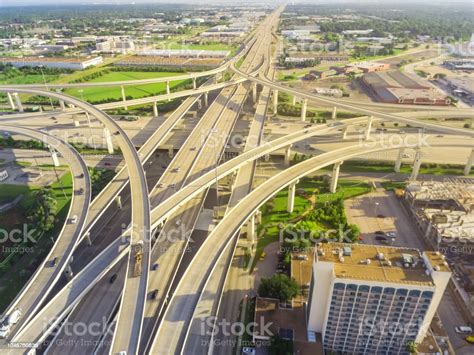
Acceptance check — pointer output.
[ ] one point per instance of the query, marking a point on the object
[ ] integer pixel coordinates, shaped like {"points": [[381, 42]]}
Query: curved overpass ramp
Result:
{"points": [[35, 291], [183, 313]]}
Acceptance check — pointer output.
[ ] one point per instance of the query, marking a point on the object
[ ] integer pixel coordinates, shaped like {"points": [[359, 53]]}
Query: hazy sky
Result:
{"points": [[233, 2]]}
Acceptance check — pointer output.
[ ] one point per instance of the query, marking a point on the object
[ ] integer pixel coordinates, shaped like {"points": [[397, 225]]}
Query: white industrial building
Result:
{"points": [[51, 62], [186, 53]]}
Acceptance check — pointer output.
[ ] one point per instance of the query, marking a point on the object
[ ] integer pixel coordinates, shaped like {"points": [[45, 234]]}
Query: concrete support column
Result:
{"points": [[170, 153], [335, 176], [62, 105], [194, 84], [275, 102], [428, 229], [251, 228], [254, 92], [124, 98], [68, 272], [303, 109], [199, 104], [294, 101], [368, 128], [10, 101], [54, 156], [155, 109], [108, 140], [334, 113], [291, 198], [168, 90], [287, 155], [18, 102], [88, 239], [344, 132], [416, 165], [470, 161], [206, 99], [118, 201], [398, 163]]}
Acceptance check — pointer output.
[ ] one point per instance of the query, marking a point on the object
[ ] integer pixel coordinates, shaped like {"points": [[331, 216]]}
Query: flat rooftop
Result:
{"points": [[46, 59], [375, 263]]}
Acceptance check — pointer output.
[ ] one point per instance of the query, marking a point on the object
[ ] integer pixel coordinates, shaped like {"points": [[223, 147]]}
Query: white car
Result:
{"points": [[14, 317], [74, 219], [463, 329], [4, 331]]}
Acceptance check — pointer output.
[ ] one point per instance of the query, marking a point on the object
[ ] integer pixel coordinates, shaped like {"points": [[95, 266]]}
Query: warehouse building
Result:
{"points": [[402, 88], [185, 53], [52, 62]]}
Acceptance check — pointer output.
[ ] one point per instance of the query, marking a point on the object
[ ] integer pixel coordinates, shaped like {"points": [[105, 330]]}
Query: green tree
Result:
{"points": [[280, 346], [278, 286]]}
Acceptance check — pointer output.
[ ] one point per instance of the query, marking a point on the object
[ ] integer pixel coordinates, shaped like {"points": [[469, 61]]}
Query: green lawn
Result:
{"points": [[27, 79], [387, 167], [100, 93], [272, 216], [18, 270]]}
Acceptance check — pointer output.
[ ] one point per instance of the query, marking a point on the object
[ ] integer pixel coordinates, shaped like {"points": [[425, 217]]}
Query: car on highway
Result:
{"points": [[74, 219], [463, 329], [248, 351], [155, 266], [161, 185], [154, 294], [177, 169], [469, 339], [12, 319], [113, 278], [380, 238], [173, 186], [178, 222], [81, 175], [54, 262], [4, 331], [192, 149]]}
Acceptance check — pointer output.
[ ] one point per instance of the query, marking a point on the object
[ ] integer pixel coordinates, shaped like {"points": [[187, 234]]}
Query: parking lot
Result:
{"points": [[381, 211]]}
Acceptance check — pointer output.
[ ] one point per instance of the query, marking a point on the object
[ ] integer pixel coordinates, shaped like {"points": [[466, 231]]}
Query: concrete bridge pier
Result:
{"points": [[170, 152], [291, 198], [275, 102], [368, 128], [294, 101], [88, 239], [108, 140], [254, 92], [62, 105], [199, 104], [470, 161], [194, 84], [68, 272], [155, 109], [206, 99], [18, 102], [398, 163], [168, 90], [124, 97], [335, 176], [334, 113], [288, 154], [54, 156], [344, 132], [251, 228], [10, 101], [304, 107], [118, 201], [416, 165]]}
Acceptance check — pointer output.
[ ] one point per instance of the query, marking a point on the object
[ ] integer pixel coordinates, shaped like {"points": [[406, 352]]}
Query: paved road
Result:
{"points": [[33, 294]]}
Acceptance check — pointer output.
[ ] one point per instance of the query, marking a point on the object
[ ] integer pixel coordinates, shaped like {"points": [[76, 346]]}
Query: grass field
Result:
{"points": [[271, 217], [27, 79], [100, 93], [17, 271]]}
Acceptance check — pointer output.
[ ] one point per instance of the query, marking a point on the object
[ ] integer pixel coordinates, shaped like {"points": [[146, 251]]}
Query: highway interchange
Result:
{"points": [[174, 199]]}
